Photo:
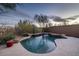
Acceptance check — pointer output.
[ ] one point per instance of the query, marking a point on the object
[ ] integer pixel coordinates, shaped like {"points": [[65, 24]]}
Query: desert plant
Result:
{"points": [[25, 28], [8, 37]]}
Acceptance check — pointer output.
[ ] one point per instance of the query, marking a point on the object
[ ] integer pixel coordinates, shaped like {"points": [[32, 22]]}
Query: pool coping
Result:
{"points": [[38, 34]]}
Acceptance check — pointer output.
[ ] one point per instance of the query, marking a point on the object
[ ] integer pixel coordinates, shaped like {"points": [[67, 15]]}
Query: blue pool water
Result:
{"points": [[39, 44]]}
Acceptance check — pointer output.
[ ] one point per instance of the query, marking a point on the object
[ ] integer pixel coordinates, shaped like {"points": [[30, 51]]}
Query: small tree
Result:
{"points": [[26, 27]]}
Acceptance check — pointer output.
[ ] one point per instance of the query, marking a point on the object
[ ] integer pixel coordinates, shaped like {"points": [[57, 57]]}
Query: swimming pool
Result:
{"points": [[40, 44]]}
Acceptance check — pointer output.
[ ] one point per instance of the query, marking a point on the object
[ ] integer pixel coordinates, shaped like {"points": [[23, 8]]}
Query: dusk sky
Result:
{"points": [[53, 9]]}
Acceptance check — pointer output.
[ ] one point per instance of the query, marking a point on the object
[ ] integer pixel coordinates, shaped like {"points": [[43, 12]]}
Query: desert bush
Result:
{"points": [[23, 28], [8, 37]]}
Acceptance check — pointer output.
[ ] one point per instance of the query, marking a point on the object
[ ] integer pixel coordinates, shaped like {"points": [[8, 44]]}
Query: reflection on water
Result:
{"points": [[40, 44]]}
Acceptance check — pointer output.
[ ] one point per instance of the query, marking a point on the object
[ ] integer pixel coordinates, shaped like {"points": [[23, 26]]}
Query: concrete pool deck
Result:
{"points": [[65, 47]]}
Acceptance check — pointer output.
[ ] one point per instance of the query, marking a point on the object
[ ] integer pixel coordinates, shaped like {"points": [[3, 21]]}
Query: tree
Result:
{"points": [[41, 19], [65, 22], [24, 27]]}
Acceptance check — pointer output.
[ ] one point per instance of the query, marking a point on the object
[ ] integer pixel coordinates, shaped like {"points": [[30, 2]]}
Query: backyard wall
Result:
{"points": [[69, 30]]}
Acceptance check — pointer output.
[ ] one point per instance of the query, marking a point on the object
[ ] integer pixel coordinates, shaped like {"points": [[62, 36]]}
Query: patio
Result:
{"points": [[65, 47]]}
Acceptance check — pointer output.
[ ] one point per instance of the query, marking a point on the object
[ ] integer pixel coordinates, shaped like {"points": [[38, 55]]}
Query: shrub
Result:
{"points": [[26, 28], [2, 41], [8, 37]]}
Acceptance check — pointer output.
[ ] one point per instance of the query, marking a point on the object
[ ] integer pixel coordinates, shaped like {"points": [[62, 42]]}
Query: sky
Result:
{"points": [[29, 10], [62, 10]]}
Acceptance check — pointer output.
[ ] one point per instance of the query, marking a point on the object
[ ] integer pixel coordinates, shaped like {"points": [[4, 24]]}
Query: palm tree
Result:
{"points": [[42, 20]]}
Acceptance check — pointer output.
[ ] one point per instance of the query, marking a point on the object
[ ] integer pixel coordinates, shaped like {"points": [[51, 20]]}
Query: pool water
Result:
{"points": [[39, 44]]}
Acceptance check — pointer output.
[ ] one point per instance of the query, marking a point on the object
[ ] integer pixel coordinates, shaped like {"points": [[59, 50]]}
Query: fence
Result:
{"points": [[69, 30]]}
